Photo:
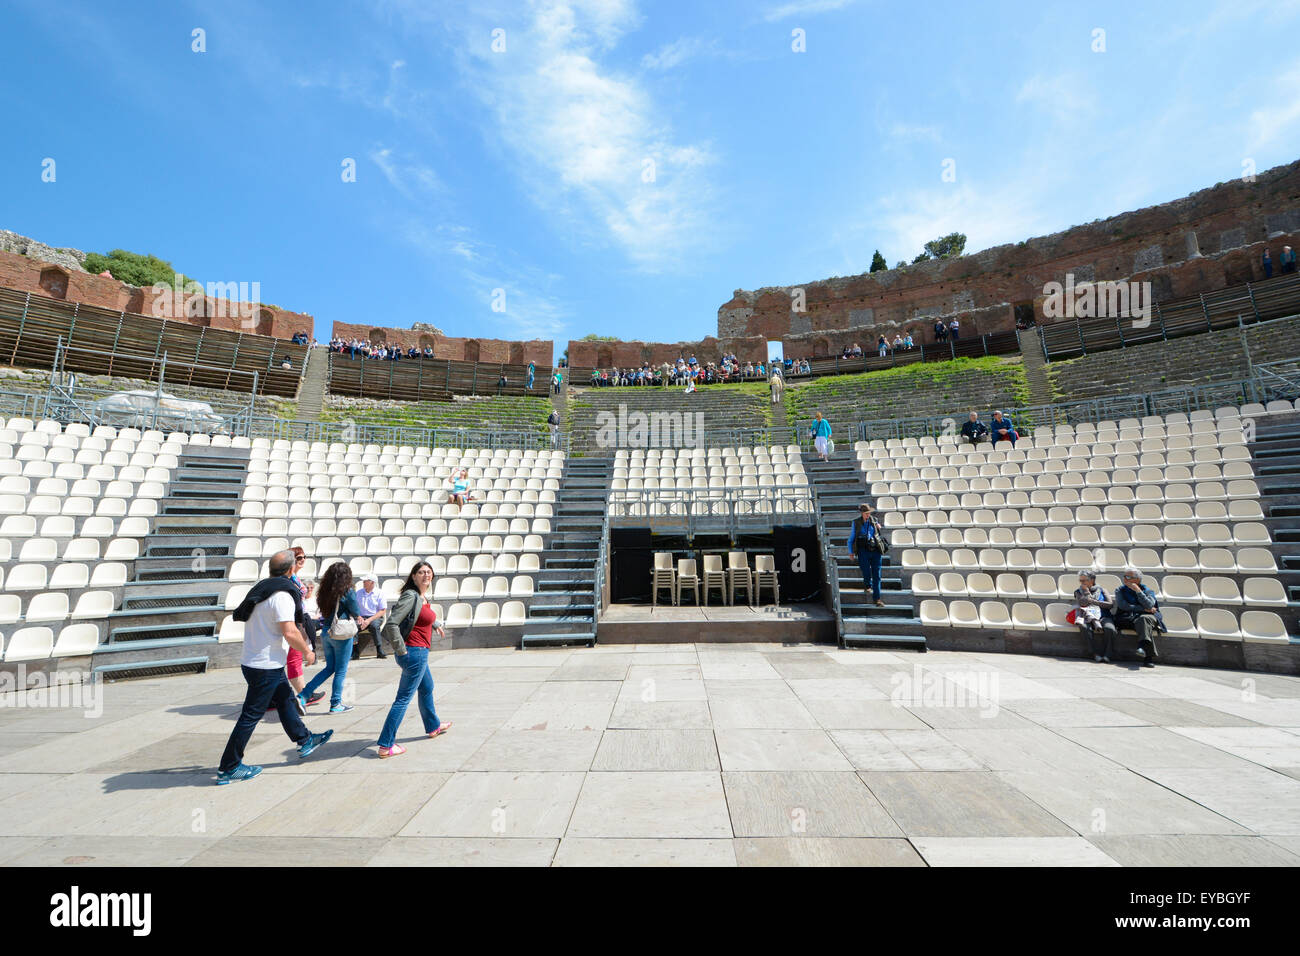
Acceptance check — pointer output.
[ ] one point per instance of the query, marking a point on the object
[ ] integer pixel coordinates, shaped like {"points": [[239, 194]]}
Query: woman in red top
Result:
{"points": [[410, 627]]}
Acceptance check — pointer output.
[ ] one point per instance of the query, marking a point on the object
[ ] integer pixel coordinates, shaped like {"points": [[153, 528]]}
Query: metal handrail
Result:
{"points": [[831, 569], [718, 509], [598, 581]]}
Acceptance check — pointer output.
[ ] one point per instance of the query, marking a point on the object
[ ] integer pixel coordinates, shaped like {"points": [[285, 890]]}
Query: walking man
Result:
{"points": [[865, 543], [553, 422], [273, 615]]}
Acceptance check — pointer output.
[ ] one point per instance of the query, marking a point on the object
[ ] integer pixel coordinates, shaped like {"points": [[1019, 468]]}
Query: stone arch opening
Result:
{"points": [[605, 357], [821, 347], [427, 342], [517, 354], [55, 282], [472, 350], [378, 337], [265, 320]]}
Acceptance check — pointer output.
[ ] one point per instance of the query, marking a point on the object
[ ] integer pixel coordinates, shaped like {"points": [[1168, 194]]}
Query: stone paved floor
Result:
{"points": [[682, 754]]}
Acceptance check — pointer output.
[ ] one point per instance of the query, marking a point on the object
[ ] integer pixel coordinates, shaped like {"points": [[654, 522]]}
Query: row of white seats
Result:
{"points": [[388, 566], [56, 606], [66, 574], [731, 481], [1211, 623], [1075, 457], [1175, 588], [347, 509], [67, 463], [55, 548], [459, 615], [352, 527], [357, 546], [283, 450], [395, 482], [400, 496], [37, 470], [1101, 492], [81, 487], [95, 526], [984, 453], [740, 451], [79, 507], [1068, 534], [1207, 560], [1034, 507], [1120, 475], [38, 643]]}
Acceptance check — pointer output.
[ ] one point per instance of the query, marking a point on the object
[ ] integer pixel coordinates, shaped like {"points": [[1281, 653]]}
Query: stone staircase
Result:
{"points": [[171, 611], [840, 487], [1035, 365], [315, 381], [1276, 461], [563, 609]]}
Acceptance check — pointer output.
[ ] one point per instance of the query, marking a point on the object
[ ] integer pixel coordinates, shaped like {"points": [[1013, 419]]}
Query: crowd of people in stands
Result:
{"points": [[1286, 261], [362, 348], [690, 372]]}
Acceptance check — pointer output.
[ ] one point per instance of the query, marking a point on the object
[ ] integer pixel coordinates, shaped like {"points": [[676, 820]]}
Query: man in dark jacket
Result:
{"points": [[1003, 430], [974, 430], [864, 544], [1136, 607]]}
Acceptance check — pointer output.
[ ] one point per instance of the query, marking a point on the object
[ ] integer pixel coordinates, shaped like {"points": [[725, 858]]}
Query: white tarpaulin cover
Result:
{"points": [[151, 409]]}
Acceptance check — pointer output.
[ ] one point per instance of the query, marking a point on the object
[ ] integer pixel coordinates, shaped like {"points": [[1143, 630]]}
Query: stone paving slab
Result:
{"points": [[681, 755]]}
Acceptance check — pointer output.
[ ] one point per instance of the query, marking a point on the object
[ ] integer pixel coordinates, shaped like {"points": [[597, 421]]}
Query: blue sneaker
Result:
{"points": [[242, 772], [300, 705], [314, 741], [340, 708]]}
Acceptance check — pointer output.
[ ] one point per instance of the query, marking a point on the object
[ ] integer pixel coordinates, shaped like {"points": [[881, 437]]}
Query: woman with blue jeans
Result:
{"points": [[409, 628], [336, 600]]}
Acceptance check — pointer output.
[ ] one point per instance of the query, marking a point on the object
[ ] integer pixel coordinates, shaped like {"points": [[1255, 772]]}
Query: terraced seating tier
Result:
{"points": [[505, 413], [723, 407], [424, 379], [124, 344]]}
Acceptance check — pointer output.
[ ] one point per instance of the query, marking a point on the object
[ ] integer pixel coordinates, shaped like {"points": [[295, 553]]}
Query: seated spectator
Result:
{"points": [[1136, 608], [502, 383], [460, 492], [286, 362], [940, 331], [898, 341], [1093, 614], [974, 431], [1002, 430], [908, 343], [882, 347]]}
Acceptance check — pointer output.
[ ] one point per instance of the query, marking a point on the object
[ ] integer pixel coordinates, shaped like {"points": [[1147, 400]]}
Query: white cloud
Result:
{"points": [[581, 136], [1065, 95], [1270, 123], [910, 133], [801, 8], [407, 178], [678, 52]]}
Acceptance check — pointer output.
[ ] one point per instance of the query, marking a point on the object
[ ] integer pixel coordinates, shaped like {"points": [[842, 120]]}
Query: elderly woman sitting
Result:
{"points": [[1094, 615], [1136, 607]]}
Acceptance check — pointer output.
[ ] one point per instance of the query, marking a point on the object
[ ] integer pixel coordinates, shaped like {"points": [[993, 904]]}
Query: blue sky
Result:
{"points": [[528, 169]]}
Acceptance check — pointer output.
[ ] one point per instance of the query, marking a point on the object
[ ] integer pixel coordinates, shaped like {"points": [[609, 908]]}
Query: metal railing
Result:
{"points": [[598, 581], [264, 426], [1264, 385], [729, 510], [830, 569]]}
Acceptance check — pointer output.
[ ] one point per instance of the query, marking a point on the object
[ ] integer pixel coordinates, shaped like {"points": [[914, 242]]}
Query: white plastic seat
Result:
{"points": [[1264, 591], [1263, 627], [47, 606], [460, 615], [934, 613], [1219, 590], [1178, 622], [994, 614], [487, 614], [513, 614], [1217, 624], [30, 644], [963, 614], [77, 640], [93, 605], [1027, 616]]}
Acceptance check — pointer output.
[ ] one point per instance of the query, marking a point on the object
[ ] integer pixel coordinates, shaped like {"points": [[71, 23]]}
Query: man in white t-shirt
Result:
{"points": [[272, 612]]}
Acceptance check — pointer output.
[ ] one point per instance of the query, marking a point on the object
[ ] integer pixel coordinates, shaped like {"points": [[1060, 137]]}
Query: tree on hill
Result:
{"points": [[593, 337], [878, 263], [137, 269], [921, 257], [946, 247]]}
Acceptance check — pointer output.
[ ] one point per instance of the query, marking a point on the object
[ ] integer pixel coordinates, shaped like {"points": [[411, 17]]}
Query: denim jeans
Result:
{"points": [[416, 682], [265, 687], [337, 656], [869, 563]]}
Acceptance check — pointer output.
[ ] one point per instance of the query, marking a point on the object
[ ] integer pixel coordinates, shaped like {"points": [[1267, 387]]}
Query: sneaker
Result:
{"points": [[1105, 660], [340, 708], [1142, 651], [300, 705], [316, 698], [1096, 658], [314, 741], [1149, 664], [242, 772]]}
